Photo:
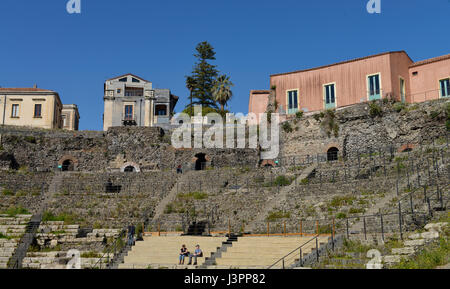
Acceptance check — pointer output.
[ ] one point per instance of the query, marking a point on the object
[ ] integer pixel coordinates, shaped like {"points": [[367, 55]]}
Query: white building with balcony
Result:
{"points": [[132, 101]]}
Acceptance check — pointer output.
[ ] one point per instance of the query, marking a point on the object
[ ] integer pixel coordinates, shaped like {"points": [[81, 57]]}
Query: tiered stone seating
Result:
{"points": [[58, 260], [163, 252], [62, 238], [13, 228], [262, 252]]}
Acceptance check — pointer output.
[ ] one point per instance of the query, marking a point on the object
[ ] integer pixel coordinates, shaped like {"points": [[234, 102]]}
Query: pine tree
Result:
{"points": [[204, 76]]}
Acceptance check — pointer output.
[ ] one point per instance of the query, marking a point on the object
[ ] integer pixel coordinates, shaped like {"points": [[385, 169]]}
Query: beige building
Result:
{"points": [[70, 117], [32, 107]]}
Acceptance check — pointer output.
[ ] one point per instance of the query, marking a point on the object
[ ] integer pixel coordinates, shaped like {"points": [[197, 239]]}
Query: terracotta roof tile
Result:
{"points": [[431, 60], [344, 62], [23, 89]]}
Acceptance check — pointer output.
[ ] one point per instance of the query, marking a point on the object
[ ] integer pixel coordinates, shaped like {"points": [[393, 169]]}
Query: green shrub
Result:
{"points": [[329, 123], [91, 255], [193, 195], [67, 218], [14, 211], [299, 114], [30, 139], [341, 215], [374, 109], [276, 215], [281, 181], [269, 116], [356, 211], [341, 201], [7, 192], [429, 258], [287, 127], [399, 106]]}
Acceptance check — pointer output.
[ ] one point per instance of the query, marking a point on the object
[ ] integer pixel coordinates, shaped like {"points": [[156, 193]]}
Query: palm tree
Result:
{"points": [[190, 84], [222, 91]]}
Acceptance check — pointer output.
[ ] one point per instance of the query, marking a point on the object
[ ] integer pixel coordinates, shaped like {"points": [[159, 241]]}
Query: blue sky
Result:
{"points": [[74, 54]]}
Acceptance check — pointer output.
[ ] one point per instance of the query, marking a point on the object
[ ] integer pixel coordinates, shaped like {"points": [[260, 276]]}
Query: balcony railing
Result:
{"points": [[129, 120]]}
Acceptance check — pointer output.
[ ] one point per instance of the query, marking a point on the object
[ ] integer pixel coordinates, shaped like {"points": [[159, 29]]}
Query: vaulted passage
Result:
{"points": [[68, 166], [200, 164], [130, 169], [332, 154]]}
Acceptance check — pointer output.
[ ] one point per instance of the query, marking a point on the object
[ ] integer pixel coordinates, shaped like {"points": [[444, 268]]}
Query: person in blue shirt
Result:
{"points": [[197, 253]]}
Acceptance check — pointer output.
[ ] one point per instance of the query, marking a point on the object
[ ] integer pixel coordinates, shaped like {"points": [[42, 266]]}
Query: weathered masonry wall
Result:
{"points": [[145, 149], [362, 129]]}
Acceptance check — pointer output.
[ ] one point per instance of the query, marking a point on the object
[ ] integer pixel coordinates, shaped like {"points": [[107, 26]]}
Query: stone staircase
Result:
{"points": [[25, 242], [211, 261], [11, 228], [280, 198], [33, 225]]}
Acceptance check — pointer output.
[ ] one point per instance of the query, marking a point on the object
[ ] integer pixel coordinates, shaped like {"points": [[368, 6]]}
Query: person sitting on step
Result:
{"points": [[183, 253], [197, 253]]}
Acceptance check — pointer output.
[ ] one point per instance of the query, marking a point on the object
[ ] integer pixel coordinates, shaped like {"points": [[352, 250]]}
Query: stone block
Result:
{"points": [[391, 259], [415, 243], [403, 251]]}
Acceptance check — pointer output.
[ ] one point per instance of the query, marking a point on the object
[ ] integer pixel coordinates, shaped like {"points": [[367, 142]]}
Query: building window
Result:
{"points": [[161, 110], [292, 101], [330, 96], [119, 91], [64, 120], [38, 110], [445, 87], [128, 112], [15, 110], [123, 79], [374, 87], [135, 80]]}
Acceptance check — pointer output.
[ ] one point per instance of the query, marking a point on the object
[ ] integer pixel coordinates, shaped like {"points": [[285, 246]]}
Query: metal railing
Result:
{"points": [[297, 252]]}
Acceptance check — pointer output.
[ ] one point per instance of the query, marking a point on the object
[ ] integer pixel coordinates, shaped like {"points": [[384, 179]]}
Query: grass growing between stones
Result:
{"points": [[91, 255], [436, 255], [2, 236], [67, 218], [429, 258], [281, 181], [276, 215], [14, 211]]}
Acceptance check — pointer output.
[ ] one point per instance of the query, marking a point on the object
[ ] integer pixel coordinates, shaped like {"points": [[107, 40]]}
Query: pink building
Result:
{"points": [[391, 74]]}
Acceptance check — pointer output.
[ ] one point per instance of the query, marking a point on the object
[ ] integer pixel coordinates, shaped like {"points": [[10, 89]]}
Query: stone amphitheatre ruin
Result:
{"points": [[348, 174]]}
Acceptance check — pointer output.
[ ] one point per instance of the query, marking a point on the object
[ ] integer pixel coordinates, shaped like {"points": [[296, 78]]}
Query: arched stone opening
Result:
{"points": [[406, 148], [200, 163], [68, 164], [130, 168], [333, 154]]}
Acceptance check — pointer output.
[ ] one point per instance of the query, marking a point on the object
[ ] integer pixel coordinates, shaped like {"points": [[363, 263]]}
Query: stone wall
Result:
{"points": [[146, 149], [360, 128]]}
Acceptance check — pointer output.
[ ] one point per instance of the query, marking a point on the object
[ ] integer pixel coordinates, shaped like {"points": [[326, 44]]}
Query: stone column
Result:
{"points": [[147, 109], [152, 111]]}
